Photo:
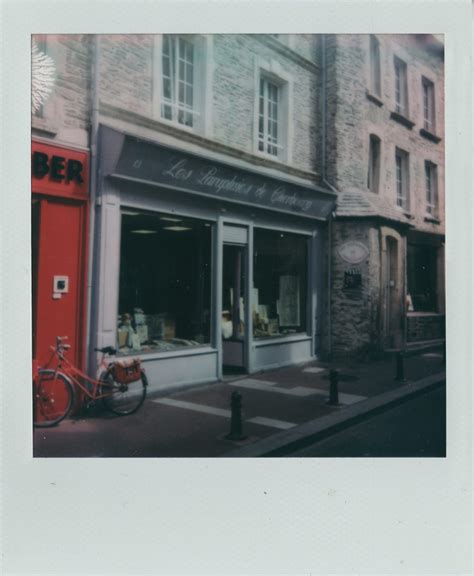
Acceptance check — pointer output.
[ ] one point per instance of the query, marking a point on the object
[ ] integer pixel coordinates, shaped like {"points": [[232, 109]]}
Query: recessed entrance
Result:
{"points": [[234, 300]]}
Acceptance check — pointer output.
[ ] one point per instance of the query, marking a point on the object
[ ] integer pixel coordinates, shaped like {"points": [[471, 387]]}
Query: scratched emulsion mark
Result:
{"points": [[42, 77]]}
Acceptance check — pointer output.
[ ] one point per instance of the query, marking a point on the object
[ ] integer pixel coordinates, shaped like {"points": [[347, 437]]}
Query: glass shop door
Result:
{"points": [[234, 278]]}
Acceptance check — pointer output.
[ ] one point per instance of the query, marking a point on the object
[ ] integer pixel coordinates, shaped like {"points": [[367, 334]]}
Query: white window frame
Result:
{"points": [[402, 179], [273, 72], [201, 82], [375, 66], [431, 188], [428, 104], [401, 86]]}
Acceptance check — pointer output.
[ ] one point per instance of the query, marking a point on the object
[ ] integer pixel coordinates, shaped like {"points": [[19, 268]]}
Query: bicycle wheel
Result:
{"points": [[123, 399], [53, 397]]}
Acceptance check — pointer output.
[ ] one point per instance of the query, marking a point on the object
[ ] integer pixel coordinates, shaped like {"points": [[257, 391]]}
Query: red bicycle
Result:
{"points": [[121, 386]]}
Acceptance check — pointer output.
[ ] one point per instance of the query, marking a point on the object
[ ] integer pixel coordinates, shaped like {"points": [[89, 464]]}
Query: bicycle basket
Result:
{"points": [[125, 372]]}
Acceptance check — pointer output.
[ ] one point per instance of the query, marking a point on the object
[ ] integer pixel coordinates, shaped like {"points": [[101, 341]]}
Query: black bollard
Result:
{"points": [[400, 376], [236, 417], [444, 352], [333, 391]]}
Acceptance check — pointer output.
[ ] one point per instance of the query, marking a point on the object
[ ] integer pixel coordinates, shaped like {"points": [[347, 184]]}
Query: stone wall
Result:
{"points": [[425, 327], [355, 312], [127, 82], [66, 115], [353, 117], [126, 72]]}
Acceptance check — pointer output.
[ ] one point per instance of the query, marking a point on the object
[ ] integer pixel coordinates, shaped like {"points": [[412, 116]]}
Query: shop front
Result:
{"points": [[59, 216], [205, 267], [425, 287]]}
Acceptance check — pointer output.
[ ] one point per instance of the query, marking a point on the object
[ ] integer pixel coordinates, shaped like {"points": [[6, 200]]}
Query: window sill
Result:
{"points": [[177, 125], [401, 119], [373, 98], [46, 125], [285, 339], [432, 220], [413, 314], [155, 355], [260, 154], [429, 136]]}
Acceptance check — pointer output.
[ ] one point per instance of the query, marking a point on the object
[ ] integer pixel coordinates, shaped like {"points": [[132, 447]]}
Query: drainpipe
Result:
{"points": [[94, 163], [328, 184]]}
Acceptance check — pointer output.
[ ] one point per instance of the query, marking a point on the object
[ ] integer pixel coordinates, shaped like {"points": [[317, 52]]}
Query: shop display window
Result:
{"points": [[279, 305], [421, 272], [165, 283]]}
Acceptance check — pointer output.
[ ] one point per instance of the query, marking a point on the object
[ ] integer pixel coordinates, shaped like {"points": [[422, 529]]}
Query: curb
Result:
{"points": [[283, 443]]}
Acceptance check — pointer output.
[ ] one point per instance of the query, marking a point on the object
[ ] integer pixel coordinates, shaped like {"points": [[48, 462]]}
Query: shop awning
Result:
{"points": [[130, 158]]}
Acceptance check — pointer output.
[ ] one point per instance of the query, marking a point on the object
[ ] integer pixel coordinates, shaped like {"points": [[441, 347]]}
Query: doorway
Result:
{"points": [[393, 291], [58, 275], [234, 300]]}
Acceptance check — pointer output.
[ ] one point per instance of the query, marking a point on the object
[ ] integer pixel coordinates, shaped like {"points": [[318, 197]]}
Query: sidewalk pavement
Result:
{"points": [[281, 410]]}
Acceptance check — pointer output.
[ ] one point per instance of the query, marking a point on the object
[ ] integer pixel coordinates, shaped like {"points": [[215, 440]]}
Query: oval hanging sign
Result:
{"points": [[353, 252]]}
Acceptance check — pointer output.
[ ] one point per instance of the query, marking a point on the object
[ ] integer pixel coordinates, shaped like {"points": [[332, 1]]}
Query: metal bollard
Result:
{"points": [[333, 391], [236, 417], [400, 376]]}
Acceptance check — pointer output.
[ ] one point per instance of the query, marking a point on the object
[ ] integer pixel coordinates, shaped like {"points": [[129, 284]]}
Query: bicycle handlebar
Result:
{"points": [[110, 350]]}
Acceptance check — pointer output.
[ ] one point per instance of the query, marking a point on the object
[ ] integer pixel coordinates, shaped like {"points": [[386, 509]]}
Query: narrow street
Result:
{"points": [[416, 428]]}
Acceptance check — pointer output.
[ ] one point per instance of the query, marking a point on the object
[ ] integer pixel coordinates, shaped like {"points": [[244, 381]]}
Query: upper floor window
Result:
{"points": [[374, 164], [431, 184], [180, 80], [428, 105], [269, 114], [375, 81], [402, 179], [401, 87]]}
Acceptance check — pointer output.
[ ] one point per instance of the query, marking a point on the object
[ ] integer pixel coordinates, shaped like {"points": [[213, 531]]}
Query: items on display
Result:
{"points": [[148, 332]]}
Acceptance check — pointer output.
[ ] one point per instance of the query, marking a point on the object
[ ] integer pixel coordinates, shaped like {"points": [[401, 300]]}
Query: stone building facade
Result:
{"points": [[211, 140], [385, 156], [348, 125]]}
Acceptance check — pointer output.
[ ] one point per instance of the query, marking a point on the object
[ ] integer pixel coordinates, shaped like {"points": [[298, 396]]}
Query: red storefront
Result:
{"points": [[59, 218]]}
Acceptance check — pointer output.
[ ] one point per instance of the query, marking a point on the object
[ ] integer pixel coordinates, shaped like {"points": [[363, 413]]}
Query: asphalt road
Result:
{"points": [[416, 428]]}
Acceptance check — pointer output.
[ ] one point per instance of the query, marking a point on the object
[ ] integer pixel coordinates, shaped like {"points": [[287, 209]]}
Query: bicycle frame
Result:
{"points": [[63, 365]]}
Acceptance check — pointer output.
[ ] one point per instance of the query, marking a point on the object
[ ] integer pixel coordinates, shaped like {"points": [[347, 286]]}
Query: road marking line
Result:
{"points": [[314, 370], [260, 385], [432, 355], [300, 391], [350, 398], [271, 422], [195, 407], [253, 382]]}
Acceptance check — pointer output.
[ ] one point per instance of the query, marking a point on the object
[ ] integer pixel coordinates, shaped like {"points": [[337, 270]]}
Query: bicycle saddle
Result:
{"points": [[107, 350]]}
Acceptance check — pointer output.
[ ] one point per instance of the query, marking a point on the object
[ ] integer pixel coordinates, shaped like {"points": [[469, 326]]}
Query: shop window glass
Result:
{"points": [[165, 283], [421, 272], [280, 283]]}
